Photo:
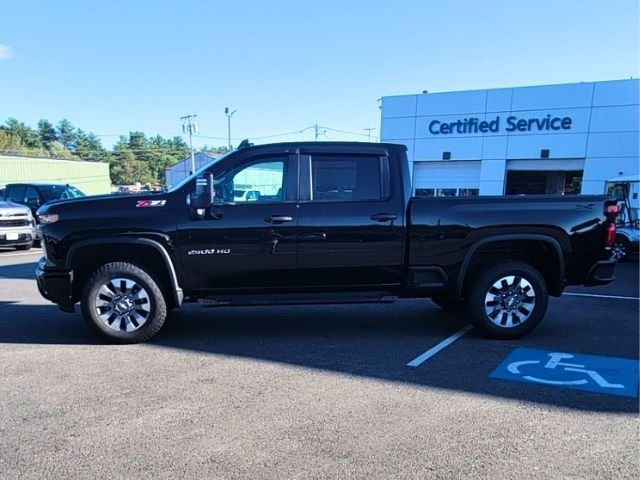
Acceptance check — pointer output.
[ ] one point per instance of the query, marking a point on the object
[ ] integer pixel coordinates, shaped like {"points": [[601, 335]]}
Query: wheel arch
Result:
{"points": [[555, 280], [89, 254]]}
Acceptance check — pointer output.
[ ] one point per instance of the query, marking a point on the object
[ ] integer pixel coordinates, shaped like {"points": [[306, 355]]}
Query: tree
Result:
{"points": [[22, 135], [133, 158], [67, 134], [47, 133], [89, 147], [217, 150]]}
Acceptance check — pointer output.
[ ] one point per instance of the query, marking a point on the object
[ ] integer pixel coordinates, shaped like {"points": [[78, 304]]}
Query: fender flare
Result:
{"points": [[506, 237], [178, 295]]}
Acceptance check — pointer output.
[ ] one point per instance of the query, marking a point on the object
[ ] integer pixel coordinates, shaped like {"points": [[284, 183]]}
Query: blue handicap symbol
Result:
{"points": [[592, 373]]}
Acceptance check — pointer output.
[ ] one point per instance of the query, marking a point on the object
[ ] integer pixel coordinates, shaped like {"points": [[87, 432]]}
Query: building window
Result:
{"points": [[447, 192], [544, 182]]}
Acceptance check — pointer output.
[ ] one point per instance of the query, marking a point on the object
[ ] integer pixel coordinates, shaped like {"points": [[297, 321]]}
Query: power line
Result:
{"points": [[316, 127]]}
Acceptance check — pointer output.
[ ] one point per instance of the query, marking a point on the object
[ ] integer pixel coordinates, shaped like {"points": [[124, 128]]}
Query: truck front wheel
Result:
{"points": [[123, 303], [508, 300]]}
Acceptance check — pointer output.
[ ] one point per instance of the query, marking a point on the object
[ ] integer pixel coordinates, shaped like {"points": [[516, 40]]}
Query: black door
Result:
{"points": [[351, 226], [248, 238]]}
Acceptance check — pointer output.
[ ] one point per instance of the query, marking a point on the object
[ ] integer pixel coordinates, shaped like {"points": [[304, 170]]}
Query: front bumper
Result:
{"points": [[55, 285], [24, 236], [602, 272]]}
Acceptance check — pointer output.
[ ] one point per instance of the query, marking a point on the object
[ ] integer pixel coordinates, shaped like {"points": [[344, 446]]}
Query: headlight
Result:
{"points": [[48, 218]]}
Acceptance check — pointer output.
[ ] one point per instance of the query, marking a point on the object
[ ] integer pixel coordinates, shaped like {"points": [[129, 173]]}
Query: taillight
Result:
{"points": [[611, 235], [611, 211]]}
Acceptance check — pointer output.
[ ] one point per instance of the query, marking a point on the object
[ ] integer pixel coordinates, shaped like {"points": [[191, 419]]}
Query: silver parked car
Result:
{"points": [[17, 226]]}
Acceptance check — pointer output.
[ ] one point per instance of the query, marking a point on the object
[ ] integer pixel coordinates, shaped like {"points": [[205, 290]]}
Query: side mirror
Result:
{"points": [[202, 196]]}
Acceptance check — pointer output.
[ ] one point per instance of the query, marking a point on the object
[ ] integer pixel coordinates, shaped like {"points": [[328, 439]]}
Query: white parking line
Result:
{"points": [[33, 252], [596, 295], [419, 360]]}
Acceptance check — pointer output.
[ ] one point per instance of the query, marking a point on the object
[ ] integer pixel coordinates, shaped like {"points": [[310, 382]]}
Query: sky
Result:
{"points": [[115, 66]]}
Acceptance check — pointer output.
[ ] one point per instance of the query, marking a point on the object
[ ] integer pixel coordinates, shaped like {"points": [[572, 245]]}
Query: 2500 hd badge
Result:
{"points": [[210, 251]]}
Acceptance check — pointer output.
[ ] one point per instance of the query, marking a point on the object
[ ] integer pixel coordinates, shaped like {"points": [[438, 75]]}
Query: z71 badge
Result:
{"points": [[150, 203]]}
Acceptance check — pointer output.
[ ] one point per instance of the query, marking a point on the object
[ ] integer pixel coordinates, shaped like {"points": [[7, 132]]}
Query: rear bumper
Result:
{"points": [[602, 272], [55, 285]]}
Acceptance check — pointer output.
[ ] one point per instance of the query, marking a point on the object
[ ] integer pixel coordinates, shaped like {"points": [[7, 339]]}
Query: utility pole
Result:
{"points": [[229, 115], [369, 130], [317, 132], [190, 127]]}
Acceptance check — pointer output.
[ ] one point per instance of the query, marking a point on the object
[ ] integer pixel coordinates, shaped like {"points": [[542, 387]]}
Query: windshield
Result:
{"points": [[198, 172], [57, 192]]}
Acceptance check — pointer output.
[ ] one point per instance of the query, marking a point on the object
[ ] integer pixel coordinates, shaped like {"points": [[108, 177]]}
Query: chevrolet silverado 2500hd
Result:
{"points": [[330, 222]]}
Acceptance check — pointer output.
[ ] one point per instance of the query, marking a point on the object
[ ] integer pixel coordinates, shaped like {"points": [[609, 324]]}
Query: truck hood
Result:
{"points": [[10, 208], [105, 205]]}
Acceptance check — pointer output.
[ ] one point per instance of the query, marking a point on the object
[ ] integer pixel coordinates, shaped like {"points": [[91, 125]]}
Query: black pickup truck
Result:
{"points": [[329, 222]]}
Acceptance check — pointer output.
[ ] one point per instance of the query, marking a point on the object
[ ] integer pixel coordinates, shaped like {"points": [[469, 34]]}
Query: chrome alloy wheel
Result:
{"points": [[510, 301], [618, 251], [123, 305]]}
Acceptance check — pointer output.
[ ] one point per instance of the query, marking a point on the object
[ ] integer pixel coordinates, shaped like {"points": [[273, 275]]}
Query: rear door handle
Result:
{"points": [[278, 219], [384, 217]]}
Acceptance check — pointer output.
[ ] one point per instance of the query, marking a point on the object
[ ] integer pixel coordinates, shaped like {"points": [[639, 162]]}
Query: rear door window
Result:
{"points": [[347, 178]]}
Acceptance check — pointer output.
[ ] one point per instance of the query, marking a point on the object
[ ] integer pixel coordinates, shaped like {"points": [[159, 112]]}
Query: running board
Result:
{"points": [[296, 299]]}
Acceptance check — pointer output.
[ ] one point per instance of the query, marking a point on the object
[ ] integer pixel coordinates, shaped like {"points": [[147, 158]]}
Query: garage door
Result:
{"points": [[448, 178], [558, 165]]}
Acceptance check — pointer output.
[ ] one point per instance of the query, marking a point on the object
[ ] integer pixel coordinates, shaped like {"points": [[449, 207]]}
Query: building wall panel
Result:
{"points": [[90, 177]]}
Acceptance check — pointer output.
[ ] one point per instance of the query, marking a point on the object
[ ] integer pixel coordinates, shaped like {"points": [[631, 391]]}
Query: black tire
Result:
{"points": [[157, 305], [621, 250], [24, 247], [37, 243], [484, 282], [448, 304]]}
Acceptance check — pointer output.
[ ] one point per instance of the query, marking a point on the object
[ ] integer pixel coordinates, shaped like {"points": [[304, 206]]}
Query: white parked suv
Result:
{"points": [[17, 226]]}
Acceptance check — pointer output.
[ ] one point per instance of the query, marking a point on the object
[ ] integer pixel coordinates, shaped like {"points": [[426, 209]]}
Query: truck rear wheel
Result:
{"points": [[508, 300], [123, 303]]}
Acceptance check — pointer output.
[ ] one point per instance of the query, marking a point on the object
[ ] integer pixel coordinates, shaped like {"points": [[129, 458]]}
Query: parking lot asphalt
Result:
{"points": [[308, 392]]}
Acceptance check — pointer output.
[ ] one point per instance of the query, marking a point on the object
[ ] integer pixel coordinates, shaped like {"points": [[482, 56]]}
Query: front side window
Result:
{"points": [[259, 182], [340, 178], [31, 196]]}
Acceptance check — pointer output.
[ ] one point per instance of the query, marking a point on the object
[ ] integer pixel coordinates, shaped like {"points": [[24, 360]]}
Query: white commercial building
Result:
{"points": [[559, 139]]}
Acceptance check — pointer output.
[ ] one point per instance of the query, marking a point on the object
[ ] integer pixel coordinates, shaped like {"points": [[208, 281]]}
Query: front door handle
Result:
{"points": [[278, 219], [384, 217]]}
